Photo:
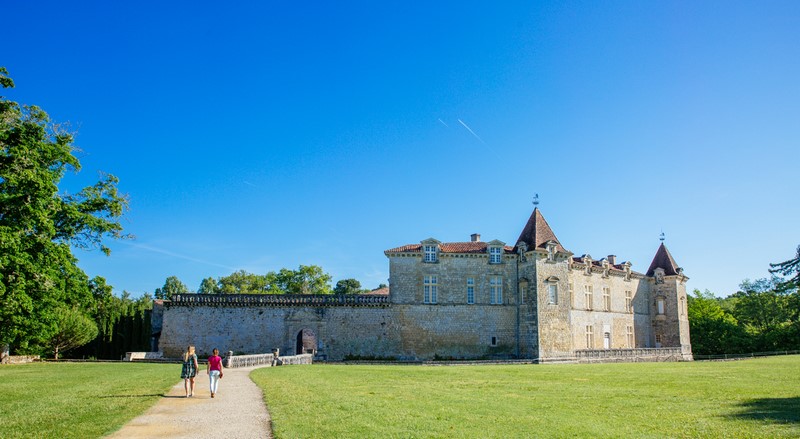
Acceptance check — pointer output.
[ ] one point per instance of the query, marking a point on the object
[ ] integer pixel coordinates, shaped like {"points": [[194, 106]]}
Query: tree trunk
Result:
{"points": [[4, 353], [56, 353]]}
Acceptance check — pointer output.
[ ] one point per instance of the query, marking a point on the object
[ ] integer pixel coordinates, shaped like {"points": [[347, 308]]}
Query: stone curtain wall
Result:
{"points": [[369, 330]]}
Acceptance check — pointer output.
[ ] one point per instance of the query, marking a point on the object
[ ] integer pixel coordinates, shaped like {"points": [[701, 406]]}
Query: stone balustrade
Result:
{"points": [[280, 300], [628, 355], [265, 360]]}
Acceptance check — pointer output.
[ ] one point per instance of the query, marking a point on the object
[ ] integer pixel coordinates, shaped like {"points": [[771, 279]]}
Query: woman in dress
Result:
{"points": [[189, 370], [214, 370]]}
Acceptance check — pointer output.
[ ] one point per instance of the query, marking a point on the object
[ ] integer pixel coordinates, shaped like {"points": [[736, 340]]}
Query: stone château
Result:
{"points": [[461, 300]]}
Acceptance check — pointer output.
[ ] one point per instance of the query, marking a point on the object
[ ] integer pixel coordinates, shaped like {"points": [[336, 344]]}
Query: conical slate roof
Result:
{"points": [[537, 232], [663, 260]]}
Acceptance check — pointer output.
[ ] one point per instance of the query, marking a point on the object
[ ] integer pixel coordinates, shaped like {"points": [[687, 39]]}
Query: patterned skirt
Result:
{"points": [[188, 370]]}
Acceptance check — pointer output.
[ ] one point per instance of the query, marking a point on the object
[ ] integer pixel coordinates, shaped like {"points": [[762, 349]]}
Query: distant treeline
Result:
{"points": [[307, 279], [763, 317]]}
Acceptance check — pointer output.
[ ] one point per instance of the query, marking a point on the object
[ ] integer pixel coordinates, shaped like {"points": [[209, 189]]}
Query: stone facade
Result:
{"points": [[464, 300]]}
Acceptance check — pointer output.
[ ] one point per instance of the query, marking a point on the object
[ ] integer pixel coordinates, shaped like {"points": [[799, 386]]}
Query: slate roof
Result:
{"points": [[663, 259], [537, 232]]}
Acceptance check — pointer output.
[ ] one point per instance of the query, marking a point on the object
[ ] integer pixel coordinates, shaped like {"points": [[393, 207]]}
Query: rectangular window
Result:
{"points": [[660, 305], [470, 290], [430, 253], [493, 341], [628, 301], [552, 294], [606, 299], [658, 340], [495, 290], [495, 255], [588, 294], [629, 331], [589, 337], [429, 289]]}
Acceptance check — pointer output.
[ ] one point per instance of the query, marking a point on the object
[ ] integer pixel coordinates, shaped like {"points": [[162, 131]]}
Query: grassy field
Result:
{"points": [[750, 398], [78, 400]]}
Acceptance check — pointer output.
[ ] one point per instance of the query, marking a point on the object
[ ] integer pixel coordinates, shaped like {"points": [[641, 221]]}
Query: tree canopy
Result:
{"points": [[39, 225], [307, 279], [348, 286], [788, 268], [172, 286]]}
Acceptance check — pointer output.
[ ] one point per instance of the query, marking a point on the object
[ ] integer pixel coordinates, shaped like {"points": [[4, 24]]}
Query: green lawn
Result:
{"points": [[78, 400], [750, 398]]}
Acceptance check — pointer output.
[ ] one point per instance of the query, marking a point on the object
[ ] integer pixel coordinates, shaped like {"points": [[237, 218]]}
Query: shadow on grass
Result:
{"points": [[783, 410]]}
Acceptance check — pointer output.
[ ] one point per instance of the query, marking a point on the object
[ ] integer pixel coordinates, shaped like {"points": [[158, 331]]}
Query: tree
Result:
{"points": [[713, 330], [242, 282], [38, 224], [208, 286], [172, 286], [787, 268], [72, 329], [348, 286], [307, 279]]}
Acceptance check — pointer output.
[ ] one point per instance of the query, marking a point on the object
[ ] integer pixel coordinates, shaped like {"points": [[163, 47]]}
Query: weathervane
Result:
{"points": [[661, 236], [536, 200]]}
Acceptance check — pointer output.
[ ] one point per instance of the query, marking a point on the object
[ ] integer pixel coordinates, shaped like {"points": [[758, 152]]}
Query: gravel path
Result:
{"points": [[237, 411]]}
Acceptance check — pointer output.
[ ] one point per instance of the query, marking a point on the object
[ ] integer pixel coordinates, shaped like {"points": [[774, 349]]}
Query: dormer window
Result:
{"points": [[627, 267], [430, 253], [495, 255], [551, 251], [587, 260]]}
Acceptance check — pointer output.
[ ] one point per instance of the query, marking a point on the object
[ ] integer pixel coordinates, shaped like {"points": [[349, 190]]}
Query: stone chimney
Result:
{"points": [[612, 259], [475, 237]]}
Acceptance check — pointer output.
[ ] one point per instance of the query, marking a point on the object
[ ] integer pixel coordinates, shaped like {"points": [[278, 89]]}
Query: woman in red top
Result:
{"points": [[214, 370]]}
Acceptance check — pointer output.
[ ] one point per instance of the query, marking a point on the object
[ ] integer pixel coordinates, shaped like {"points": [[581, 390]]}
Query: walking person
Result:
{"points": [[214, 370], [189, 370]]}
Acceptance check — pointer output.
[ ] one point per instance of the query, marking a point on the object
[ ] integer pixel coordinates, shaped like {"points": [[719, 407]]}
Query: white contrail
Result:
{"points": [[176, 255], [470, 130], [248, 183], [440, 120]]}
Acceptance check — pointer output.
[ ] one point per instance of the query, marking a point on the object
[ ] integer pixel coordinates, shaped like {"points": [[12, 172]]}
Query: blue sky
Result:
{"points": [[264, 135]]}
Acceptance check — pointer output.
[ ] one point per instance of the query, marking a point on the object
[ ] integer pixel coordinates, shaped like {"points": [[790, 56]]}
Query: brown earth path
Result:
{"points": [[237, 411]]}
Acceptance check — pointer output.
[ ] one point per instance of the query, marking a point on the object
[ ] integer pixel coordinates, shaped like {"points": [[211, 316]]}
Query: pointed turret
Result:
{"points": [[663, 259], [537, 233]]}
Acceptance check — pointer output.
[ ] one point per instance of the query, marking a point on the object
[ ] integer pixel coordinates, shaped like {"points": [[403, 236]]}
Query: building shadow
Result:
{"points": [[781, 410]]}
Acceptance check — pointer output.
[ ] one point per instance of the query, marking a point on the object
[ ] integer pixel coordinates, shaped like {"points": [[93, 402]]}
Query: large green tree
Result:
{"points": [[713, 330], [39, 224], [348, 286], [73, 329], [172, 286], [307, 279], [788, 268]]}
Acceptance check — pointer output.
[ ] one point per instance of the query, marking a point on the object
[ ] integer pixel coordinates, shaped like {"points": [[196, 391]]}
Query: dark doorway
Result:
{"points": [[306, 342]]}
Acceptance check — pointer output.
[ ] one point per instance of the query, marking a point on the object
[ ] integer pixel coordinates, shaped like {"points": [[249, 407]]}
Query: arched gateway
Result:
{"points": [[306, 342]]}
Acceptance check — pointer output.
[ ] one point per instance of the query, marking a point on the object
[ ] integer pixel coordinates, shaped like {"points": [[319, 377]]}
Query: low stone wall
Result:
{"points": [[249, 360], [20, 359], [267, 360], [296, 359], [131, 356], [629, 355]]}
